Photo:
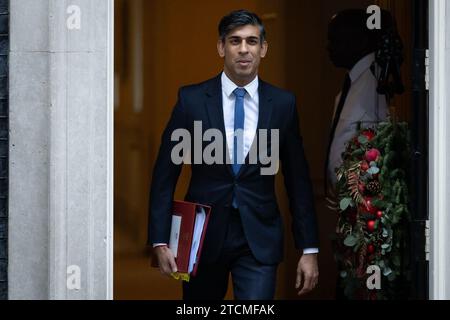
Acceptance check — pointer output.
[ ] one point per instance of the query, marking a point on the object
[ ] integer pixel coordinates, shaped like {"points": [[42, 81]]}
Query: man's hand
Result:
{"points": [[307, 273], [166, 260]]}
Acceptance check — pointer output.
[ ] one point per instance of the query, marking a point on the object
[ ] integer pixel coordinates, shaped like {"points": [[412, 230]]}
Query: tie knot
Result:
{"points": [[239, 92]]}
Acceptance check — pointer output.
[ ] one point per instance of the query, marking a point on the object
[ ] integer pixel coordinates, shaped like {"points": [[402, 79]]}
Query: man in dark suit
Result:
{"points": [[245, 232]]}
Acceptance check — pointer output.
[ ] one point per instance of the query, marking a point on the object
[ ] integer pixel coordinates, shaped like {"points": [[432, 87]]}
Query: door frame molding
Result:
{"points": [[110, 152], [61, 91], [439, 143]]}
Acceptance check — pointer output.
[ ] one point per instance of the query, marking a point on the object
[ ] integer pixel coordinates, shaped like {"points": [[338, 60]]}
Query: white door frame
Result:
{"points": [[439, 149], [61, 93], [110, 152]]}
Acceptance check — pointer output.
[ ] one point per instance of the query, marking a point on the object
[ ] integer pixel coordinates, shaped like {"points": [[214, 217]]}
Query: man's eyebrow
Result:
{"points": [[238, 37]]}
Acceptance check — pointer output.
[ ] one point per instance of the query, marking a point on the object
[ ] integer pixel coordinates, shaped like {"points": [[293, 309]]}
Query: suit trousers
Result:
{"points": [[251, 279]]}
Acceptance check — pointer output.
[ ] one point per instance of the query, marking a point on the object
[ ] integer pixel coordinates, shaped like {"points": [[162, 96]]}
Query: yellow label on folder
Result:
{"points": [[181, 276]]}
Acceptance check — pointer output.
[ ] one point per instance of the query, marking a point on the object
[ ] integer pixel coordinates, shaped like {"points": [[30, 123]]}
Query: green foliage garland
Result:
{"points": [[373, 211]]}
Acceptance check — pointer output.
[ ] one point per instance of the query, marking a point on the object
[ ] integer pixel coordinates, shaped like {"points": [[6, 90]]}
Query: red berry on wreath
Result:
{"points": [[372, 155], [364, 166], [371, 225], [370, 207], [371, 248], [379, 214], [369, 134]]}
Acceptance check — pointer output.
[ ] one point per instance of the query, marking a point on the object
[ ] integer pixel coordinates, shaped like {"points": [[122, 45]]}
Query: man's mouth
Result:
{"points": [[244, 63]]}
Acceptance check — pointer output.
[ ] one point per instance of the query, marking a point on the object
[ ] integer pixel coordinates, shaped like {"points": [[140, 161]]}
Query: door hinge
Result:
{"points": [[427, 240], [427, 69]]}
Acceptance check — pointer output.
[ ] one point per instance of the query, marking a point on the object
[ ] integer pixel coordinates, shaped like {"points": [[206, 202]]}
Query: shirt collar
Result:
{"points": [[361, 66], [229, 86]]}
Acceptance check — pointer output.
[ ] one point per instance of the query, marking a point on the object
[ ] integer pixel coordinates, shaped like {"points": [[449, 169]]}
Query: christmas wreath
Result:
{"points": [[372, 207]]}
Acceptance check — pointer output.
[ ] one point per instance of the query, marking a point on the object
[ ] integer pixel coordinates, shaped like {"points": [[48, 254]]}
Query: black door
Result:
{"points": [[419, 139]]}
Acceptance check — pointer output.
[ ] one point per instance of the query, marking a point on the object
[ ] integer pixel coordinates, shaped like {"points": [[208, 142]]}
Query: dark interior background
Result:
{"points": [[162, 45]]}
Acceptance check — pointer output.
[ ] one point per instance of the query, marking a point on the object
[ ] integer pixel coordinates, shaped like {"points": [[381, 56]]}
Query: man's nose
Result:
{"points": [[243, 48]]}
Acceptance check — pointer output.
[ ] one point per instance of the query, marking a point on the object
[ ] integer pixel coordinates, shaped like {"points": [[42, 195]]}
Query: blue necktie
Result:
{"points": [[238, 148], [239, 118]]}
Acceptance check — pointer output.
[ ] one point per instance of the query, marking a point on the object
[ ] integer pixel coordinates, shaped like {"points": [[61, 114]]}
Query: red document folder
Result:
{"points": [[185, 241]]}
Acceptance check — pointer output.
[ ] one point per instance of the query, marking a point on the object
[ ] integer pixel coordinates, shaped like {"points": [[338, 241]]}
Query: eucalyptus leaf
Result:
{"points": [[373, 164], [373, 170], [387, 271], [343, 274], [345, 203], [385, 246], [363, 139], [350, 241]]}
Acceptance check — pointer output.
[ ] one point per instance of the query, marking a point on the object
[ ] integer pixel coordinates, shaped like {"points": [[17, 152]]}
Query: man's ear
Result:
{"points": [[221, 48], [264, 48]]}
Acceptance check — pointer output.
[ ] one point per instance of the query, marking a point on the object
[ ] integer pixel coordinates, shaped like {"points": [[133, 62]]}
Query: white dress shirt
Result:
{"points": [[363, 104], [251, 111]]}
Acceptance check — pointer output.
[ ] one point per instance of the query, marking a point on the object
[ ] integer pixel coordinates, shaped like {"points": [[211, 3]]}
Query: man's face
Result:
{"points": [[242, 51]]}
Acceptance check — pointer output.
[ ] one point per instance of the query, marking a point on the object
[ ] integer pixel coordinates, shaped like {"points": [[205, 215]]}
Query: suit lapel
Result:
{"points": [[214, 109], [264, 115], [265, 106]]}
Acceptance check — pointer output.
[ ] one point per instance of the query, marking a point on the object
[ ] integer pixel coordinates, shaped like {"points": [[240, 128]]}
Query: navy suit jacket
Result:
{"points": [[214, 184]]}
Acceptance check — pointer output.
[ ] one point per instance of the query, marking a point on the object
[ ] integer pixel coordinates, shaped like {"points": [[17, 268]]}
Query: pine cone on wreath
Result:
{"points": [[373, 187]]}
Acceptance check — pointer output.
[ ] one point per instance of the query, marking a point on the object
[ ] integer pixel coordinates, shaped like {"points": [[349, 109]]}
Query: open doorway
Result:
{"points": [[162, 45]]}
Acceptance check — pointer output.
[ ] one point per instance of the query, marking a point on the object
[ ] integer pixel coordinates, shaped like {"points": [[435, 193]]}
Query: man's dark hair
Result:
{"points": [[240, 18]]}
